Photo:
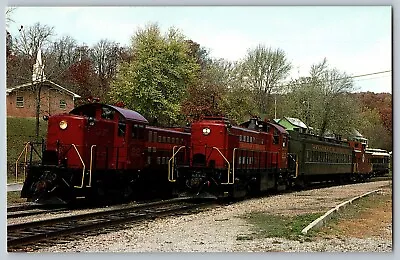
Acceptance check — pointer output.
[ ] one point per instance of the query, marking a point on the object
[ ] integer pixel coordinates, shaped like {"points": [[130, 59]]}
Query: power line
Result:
{"points": [[381, 77], [349, 77], [369, 74]]}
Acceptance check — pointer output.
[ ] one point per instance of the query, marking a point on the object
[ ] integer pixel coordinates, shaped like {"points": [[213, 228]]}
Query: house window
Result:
{"points": [[20, 102], [63, 104]]}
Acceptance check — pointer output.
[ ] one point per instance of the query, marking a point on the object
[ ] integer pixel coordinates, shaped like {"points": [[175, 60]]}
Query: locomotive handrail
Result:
{"points": [[83, 164], [91, 165], [229, 165], [171, 172], [19, 157], [233, 165]]}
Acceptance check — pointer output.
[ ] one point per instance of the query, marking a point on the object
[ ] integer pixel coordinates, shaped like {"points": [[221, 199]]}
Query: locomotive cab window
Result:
{"points": [[107, 113], [121, 128], [276, 137], [137, 131]]}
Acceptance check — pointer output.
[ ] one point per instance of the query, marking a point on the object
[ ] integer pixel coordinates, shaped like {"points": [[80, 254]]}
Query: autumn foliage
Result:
{"points": [[382, 102]]}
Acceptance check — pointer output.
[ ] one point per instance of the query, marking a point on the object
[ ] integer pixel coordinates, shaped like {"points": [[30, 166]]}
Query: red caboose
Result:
{"points": [[231, 160], [362, 166]]}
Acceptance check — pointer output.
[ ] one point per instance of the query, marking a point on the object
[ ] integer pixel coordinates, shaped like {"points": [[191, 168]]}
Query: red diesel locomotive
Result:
{"points": [[101, 151], [232, 161]]}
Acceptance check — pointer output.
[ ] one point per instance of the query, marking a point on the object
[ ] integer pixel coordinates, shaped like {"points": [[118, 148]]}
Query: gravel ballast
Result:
{"points": [[221, 229]]}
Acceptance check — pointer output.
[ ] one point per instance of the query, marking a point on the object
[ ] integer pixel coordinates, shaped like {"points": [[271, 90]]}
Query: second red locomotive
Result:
{"points": [[231, 160]]}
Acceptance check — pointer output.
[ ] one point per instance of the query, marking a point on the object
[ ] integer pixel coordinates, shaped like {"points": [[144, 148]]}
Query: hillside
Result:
{"points": [[382, 102], [19, 132]]}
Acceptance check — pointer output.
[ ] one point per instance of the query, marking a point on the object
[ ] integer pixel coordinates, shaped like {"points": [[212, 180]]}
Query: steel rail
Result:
{"points": [[25, 233]]}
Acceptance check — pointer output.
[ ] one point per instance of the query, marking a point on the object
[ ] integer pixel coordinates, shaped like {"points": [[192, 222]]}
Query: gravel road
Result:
{"points": [[217, 229]]}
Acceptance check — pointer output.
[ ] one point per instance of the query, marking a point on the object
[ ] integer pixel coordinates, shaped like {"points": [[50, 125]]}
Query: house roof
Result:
{"points": [[296, 122], [9, 90]]}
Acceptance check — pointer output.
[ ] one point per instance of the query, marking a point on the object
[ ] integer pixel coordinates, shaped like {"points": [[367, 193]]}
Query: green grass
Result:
{"points": [[265, 225], [14, 197], [19, 132]]}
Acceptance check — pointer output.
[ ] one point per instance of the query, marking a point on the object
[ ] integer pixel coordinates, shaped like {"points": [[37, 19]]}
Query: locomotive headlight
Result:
{"points": [[63, 124], [206, 131]]}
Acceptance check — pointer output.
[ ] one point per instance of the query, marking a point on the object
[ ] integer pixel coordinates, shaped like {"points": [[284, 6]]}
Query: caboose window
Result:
{"points": [[150, 136], [159, 139], [164, 139], [155, 137], [168, 139]]}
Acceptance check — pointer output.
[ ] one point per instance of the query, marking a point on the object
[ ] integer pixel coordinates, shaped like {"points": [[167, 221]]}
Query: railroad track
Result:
{"points": [[32, 212], [30, 232], [25, 206]]}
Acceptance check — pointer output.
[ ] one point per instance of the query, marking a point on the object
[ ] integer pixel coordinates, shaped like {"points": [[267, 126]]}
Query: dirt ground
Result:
{"points": [[372, 222]]}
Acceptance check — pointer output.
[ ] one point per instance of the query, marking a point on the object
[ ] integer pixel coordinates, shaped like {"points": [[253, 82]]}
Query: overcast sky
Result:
{"points": [[356, 40]]}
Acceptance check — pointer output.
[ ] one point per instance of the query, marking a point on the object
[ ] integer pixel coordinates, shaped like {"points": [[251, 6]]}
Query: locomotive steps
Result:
{"points": [[319, 222]]}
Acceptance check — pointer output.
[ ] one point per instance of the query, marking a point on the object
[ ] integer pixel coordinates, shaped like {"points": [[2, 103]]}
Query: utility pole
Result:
{"points": [[275, 107], [37, 78]]}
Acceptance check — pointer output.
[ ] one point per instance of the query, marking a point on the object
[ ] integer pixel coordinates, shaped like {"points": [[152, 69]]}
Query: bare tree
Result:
{"points": [[105, 56], [264, 68], [333, 85], [60, 55], [323, 100], [32, 38], [9, 12]]}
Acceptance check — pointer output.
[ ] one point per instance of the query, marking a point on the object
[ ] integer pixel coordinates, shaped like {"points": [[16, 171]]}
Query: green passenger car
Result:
{"points": [[320, 159]]}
